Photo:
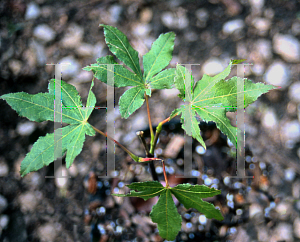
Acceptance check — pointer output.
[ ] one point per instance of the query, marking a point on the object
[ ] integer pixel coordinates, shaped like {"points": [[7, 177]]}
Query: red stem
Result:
{"points": [[165, 175]]}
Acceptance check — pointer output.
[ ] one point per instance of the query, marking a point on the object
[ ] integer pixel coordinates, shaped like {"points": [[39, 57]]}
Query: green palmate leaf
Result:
{"points": [[122, 76], [190, 196], [213, 96], [131, 100], [225, 92], [40, 107], [165, 214], [163, 80], [159, 56], [144, 190], [119, 45], [191, 125], [90, 103], [179, 80], [71, 99], [218, 115]]}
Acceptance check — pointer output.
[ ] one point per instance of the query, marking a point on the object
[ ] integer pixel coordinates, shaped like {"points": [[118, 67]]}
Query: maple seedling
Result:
{"points": [[203, 97]]}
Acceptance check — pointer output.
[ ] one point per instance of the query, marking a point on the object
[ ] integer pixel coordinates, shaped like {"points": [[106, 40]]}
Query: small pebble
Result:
{"points": [[291, 130], [233, 25], [264, 48], [287, 46], [202, 219], [3, 169], [255, 210], [202, 14], [289, 174], [284, 209], [85, 50], [47, 232], [44, 33], [4, 219], [269, 119], [115, 13], [32, 11], [200, 150], [294, 92], [261, 24], [15, 66], [257, 4], [212, 67], [159, 170], [208, 181], [195, 173], [26, 128], [277, 74], [282, 232], [61, 177], [73, 37], [71, 67], [297, 227], [28, 202]]}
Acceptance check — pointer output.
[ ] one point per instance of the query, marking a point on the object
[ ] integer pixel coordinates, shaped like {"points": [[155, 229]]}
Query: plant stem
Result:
{"points": [[134, 157], [149, 118], [157, 133], [165, 174], [141, 135]]}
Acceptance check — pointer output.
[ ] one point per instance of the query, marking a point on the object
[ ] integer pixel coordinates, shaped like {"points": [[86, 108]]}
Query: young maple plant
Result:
{"points": [[200, 98]]}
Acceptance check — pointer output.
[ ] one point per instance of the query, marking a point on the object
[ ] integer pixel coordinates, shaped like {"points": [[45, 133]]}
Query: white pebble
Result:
{"points": [[212, 67], [277, 74], [4, 219], [44, 33], [294, 92], [32, 11], [291, 130], [233, 25], [71, 67], [3, 169], [25, 128], [287, 46], [269, 119], [202, 219], [289, 174]]}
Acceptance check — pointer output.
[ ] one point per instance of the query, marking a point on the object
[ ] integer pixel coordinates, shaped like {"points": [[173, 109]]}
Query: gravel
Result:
{"points": [[294, 92], [265, 208], [287, 46], [233, 25], [44, 33], [277, 74]]}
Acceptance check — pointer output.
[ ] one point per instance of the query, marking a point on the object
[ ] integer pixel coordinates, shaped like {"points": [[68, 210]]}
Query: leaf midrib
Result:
{"points": [[157, 57], [222, 96], [46, 108], [116, 73], [122, 49], [180, 190]]}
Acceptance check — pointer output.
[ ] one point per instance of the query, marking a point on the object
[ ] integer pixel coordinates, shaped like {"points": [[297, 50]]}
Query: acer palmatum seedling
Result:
{"points": [[203, 97]]}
